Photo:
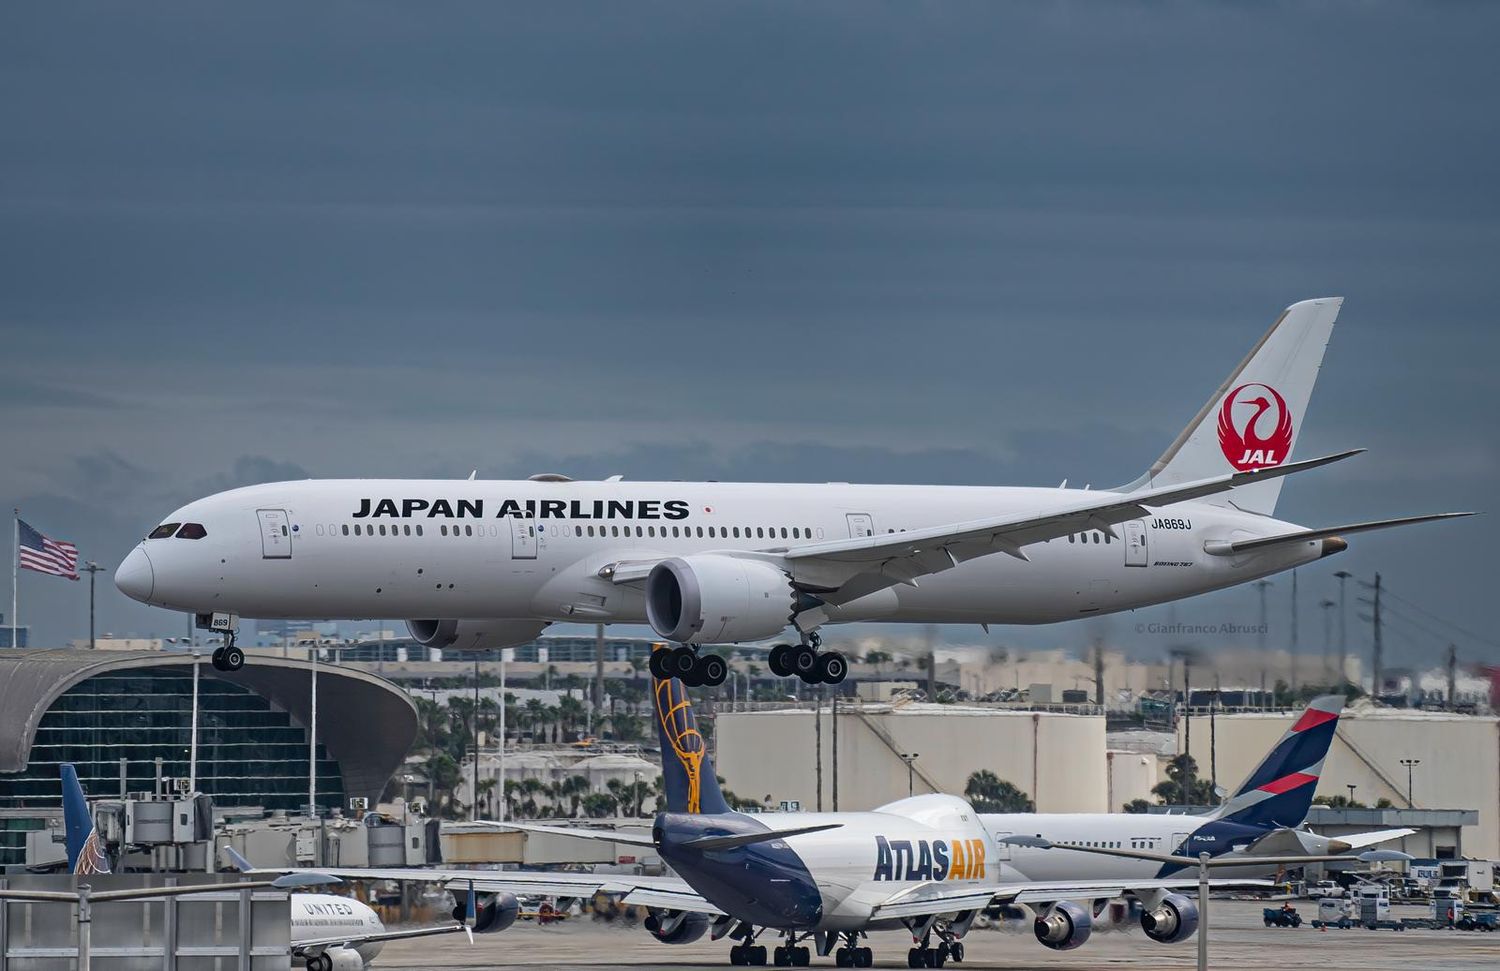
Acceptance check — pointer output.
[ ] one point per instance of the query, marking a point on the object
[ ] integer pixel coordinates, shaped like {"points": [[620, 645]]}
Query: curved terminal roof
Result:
{"points": [[364, 722]]}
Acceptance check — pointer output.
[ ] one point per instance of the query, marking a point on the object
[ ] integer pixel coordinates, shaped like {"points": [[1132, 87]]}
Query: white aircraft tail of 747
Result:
{"points": [[484, 564]]}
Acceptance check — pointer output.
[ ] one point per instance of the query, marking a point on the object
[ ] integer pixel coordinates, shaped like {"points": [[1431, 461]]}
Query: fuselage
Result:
{"points": [[536, 549], [832, 880], [320, 916]]}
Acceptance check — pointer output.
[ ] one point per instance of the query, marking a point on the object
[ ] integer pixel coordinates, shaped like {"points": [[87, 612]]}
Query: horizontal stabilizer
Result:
{"points": [[745, 839], [1327, 532]]}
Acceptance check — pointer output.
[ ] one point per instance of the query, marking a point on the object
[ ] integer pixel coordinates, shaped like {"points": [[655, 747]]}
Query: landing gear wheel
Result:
{"points": [[801, 956], [234, 658], [658, 665], [832, 668], [712, 671], [737, 956], [218, 658], [780, 660], [681, 663], [756, 955], [956, 952], [782, 958], [693, 678], [844, 957], [803, 661], [864, 957]]}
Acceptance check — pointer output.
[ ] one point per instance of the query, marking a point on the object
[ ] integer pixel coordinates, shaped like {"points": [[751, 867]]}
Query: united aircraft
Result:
{"points": [[484, 564]]}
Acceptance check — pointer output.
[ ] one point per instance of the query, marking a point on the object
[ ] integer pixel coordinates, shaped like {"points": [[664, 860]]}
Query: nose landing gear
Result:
{"points": [[808, 663], [229, 657]]}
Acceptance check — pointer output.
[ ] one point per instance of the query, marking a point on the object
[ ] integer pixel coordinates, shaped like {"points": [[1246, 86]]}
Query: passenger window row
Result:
{"points": [[688, 532]]}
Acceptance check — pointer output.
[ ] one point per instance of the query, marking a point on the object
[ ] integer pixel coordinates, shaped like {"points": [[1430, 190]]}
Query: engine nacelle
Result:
{"points": [[492, 914], [717, 599], [474, 635], [676, 926], [343, 959], [1064, 927], [1174, 920]]}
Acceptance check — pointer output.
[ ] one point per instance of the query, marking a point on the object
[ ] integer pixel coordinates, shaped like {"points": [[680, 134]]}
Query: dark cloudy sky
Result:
{"points": [[977, 243]]}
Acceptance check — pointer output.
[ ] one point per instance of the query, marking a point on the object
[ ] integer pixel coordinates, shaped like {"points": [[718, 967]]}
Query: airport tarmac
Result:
{"points": [[1239, 940]]}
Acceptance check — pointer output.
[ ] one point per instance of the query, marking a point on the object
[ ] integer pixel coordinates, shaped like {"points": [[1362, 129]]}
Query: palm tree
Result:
{"points": [[530, 789], [988, 793], [570, 712], [598, 805], [574, 788]]}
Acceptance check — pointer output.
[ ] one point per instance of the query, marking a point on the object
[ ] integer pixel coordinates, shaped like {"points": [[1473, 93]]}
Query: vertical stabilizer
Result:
{"points": [[1254, 419], [85, 854], [687, 771], [1280, 790]]}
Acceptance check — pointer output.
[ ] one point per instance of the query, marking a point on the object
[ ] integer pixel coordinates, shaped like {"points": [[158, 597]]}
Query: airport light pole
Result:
{"points": [[909, 758], [1328, 606], [1265, 663], [1410, 763], [1351, 787], [1343, 576]]}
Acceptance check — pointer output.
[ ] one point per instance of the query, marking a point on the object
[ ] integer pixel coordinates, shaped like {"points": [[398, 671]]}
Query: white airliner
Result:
{"points": [[929, 864], [490, 564]]}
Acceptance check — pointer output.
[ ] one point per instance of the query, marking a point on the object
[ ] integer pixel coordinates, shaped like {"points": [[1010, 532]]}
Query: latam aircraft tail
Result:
{"points": [[687, 771], [1279, 792], [1253, 420], [85, 854]]}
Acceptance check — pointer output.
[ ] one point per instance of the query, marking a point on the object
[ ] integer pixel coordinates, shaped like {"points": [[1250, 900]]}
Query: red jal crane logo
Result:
{"points": [[1242, 417]]}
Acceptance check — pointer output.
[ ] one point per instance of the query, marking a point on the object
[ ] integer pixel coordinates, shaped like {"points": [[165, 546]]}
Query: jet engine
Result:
{"points": [[336, 959], [491, 915], [1064, 927], [1174, 920], [676, 926], [474, 635], [715, 599]]}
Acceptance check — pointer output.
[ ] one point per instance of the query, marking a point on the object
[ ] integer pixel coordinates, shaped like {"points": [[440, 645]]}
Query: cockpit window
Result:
{"points": [[163, 531], [192, 531]]}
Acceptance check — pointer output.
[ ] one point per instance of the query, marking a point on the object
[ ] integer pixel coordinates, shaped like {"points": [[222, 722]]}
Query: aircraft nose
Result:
{"points": [[135, 578]]}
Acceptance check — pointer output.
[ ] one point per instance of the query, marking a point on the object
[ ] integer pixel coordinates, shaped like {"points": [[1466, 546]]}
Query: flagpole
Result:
{"points": [[15, 579]]}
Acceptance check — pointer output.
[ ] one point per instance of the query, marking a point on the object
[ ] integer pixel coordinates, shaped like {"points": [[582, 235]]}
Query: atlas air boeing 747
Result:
{"points": [[485, 564]]}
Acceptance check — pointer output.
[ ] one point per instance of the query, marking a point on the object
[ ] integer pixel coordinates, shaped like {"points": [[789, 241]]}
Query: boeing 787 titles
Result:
{"points": [[490, 564]]}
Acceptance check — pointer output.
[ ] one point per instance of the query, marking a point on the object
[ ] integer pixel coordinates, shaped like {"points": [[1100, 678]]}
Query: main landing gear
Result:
{"points": [[747, 953], [808, 663], [229, 657], [688, 666], [926, 956], [851, 955]]}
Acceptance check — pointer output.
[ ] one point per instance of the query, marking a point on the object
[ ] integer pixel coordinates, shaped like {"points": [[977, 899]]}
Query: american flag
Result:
{"points": [[44, 555]]}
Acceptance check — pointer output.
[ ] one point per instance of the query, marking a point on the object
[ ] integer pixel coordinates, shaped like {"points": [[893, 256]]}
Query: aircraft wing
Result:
{"points": [[927, 900], [902, 557], [1051, 891], [319, 945]]}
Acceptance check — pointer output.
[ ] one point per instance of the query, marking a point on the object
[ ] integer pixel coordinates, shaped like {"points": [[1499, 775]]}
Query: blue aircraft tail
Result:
{"points": [[85, 851], [1280, 790], [687, 771]]}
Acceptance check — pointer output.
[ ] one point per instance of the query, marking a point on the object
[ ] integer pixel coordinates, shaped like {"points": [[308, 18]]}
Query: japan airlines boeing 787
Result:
{"points": [[490, 564]]}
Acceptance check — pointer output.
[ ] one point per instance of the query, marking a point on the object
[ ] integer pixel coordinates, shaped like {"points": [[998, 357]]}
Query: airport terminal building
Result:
{"points": [[115, 713]]}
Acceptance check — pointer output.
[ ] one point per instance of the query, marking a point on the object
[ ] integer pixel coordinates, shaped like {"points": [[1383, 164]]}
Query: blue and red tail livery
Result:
{"points": [[1280, 790], [85, 851]]}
